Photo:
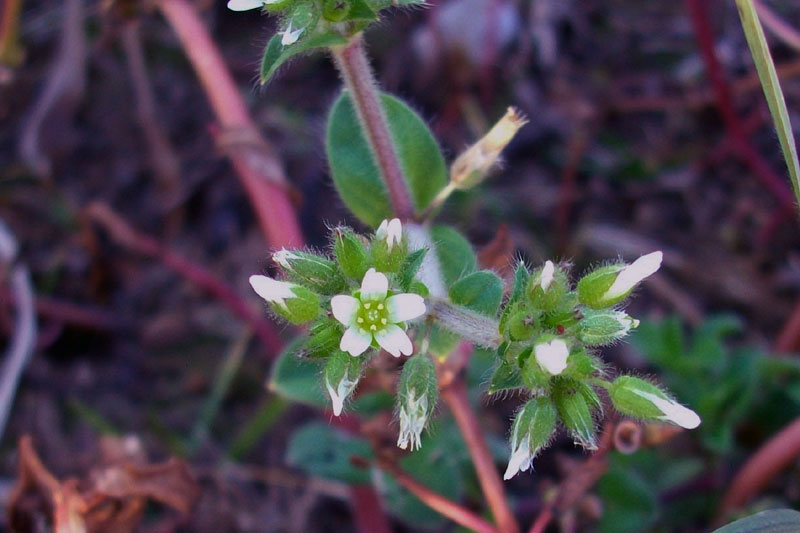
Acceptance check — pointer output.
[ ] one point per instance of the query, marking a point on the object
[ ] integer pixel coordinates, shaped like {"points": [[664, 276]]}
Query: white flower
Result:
{"points": [[547, 275], [290, 36], [390, 231], [272, 290], [244, 5], [413, 415], [373, 315], [552, 356], [673, 411], [340, 393], [628, 277]]}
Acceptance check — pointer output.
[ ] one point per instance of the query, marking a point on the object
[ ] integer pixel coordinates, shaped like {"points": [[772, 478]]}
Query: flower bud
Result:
{"points": [[597, 328], [350, 253], [551, 355], [293, 302], [520, 322], [417, 395], [342, 373], [335, 10], [547, 287], [472, 166], [641, 399], [574, 409], [533, 428], [316, 272], [609, 285], [388, 248]]}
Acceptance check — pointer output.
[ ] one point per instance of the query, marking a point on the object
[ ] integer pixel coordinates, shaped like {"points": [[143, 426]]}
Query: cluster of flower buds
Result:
{"points": [[550, 329], [358, 301]]}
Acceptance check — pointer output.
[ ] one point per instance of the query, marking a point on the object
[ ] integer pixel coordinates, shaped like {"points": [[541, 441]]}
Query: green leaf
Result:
{"points": [[275, 54], [355, 172], [505, 377], [360, 10], [773, 521], [327, 452], [297, 379], [480, 291], [455, 253], [772, 88]]}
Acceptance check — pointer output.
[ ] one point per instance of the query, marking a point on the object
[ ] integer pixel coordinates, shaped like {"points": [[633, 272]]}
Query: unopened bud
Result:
{"points": [[350, 253], [551, 355], [641, 399], [604, 327], [472, 166], [609, 285], [293, 302], [317, 272], [533, 428], [342, 373], [388, 248], [575, 411], [417, 396], [547, 287], [335, 10]]}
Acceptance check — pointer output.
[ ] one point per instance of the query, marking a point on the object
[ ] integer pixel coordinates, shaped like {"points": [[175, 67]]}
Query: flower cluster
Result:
{"points": [[549, 331]]}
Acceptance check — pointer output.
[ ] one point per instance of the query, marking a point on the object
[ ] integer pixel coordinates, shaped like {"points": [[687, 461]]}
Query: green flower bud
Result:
{"points": [[335, 10], [388, 248], [350, 253], [547, 287], [604, 327], [341, 376], [323, 339], [609, 285], [641, 399], [316, 272], [521, 322], [571, 401], [534, 426], [417, 395], [533, 375], [293, 302]]}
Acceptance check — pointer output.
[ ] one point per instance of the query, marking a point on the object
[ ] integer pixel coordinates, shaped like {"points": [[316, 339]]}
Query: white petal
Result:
{"points": [[282, 258], [272, 290], [340, 394], [547, 275], [344, 308], [395, 341], [374, 285], [244, 5], [645, 266], [519, 461], [355, 342], [394, 232], [382, 230], [290, 36], [673, 411], [552, 356], [404, 307]]}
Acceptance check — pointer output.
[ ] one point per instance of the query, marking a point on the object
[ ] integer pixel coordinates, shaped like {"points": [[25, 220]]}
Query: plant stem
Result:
{"points": [[10, 53], [473, 327], [437, 502], [455, 396], [352, 62]]}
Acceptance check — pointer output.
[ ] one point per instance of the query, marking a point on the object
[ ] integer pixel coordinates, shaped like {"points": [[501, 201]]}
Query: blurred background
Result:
{"points": [[648, 130]]}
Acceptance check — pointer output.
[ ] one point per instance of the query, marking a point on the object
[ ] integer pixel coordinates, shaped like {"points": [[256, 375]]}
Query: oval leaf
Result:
{"points": [[324, 451], [480, 291], [297, 379], [455, 253], [773, 521]]}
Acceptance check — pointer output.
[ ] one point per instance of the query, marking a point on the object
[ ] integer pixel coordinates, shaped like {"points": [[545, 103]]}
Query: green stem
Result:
{"points": [[471, 326]]}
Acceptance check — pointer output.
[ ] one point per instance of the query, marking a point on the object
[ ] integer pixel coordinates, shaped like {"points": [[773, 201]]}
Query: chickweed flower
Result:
{"points": [[637, 397], [293, 302], [533, 428], [373, 315], [390, 231], [552, 356], [609, 285], [633, 274]]}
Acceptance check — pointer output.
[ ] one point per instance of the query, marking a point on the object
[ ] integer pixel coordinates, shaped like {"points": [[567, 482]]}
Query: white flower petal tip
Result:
{"points": [[552, 356], [355, 341], [272, 290], [290, 36], [374, 285], [395, 341], [413, 416], [339, 394], [547, 275], [345, 308], [519, 461], [628, 277], [404, 307], [282, 257], [244, 5], [390, 231], [673, 411]]}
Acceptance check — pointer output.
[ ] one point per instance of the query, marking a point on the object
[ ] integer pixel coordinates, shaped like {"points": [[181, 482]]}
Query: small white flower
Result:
{"points": [[340, 393], [290, 36], [552, 356], [390, 231], [413, 415], [272, 290], [547, 275], [628, 277], [244, 5], [673, 411], [373, 315]]}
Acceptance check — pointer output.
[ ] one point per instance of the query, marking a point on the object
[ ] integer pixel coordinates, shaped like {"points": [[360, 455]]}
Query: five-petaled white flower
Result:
{"points": [[547, 275], [272, 290], [552, 356], [631, 275], [673, 411], [373, 315], [390, 231]]}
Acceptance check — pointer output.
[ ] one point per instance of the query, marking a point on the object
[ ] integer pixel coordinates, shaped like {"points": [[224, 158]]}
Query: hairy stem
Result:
{"points": [[10, 53], [352, 62], [473, 327]]}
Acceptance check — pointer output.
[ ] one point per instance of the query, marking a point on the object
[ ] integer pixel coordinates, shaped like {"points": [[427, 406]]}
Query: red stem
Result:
{"points": [[264, 183], [354, 67]]}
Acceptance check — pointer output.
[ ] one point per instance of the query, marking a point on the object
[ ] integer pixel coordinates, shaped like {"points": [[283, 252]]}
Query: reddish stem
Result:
{"points": [[258, 169], [437, 502], [354, 67], [733, 123]]}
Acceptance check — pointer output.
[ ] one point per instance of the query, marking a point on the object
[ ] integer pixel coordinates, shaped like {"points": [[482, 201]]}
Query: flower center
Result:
{"points": [[372, 317]]}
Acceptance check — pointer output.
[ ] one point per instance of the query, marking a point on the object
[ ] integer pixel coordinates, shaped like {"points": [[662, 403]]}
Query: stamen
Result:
{"points": [[360, 320], [383, 321], [367, 305], [373, 327], [380, 306]]}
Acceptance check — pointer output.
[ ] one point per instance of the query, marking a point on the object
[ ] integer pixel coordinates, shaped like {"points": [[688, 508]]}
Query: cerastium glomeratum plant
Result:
{"points": [[403, 287]]}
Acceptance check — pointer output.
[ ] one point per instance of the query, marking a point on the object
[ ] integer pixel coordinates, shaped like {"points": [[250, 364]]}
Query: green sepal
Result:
{"points": [[303, 308], [552, 298], [386, 260], [575, 411], [581, 365], [536, 421], [593, 287], [336, 10], [534, 376], [505, 377], [276, 54], [323, 339], [598, 328], [278, 6], [419, 375], [351, 253], [410, 267], [521, 322], [625, 399], [312, 270]]}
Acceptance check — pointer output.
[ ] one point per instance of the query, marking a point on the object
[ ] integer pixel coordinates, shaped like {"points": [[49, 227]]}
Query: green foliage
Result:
{"points": [[454, 252], [297, 379], [276, 54], [480, 291], [355, 172], [321, 450], [773, 521]]}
